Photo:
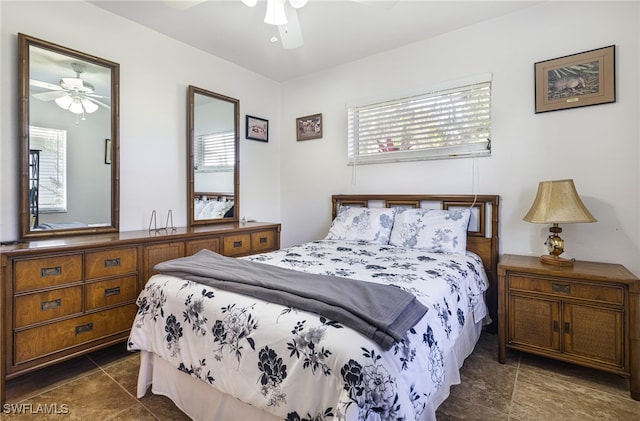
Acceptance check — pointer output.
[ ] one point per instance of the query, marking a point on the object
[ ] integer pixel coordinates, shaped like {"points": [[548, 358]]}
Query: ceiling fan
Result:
{"points": [[285, 18], [73, 93]]}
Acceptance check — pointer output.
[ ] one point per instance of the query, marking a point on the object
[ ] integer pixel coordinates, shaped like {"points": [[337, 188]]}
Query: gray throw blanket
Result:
{"points": [[381, 312]]}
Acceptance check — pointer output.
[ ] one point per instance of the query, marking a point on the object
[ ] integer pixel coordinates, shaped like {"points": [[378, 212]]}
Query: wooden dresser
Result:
{"points": [[65, 297], [588, 314]]}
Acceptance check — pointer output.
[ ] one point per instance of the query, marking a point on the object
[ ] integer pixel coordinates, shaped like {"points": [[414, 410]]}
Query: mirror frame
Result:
{"points": [[24, 44], [192, 91]]}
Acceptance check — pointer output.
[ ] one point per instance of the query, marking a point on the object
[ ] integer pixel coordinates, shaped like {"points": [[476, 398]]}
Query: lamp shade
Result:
{"points": [[557, 202]]}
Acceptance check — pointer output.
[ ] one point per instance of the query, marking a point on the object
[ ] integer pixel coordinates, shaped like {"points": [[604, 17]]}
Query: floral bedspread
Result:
{"points": [[302, 366]]}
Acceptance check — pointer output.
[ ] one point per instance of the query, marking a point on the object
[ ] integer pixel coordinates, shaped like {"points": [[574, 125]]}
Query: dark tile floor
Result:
{"points": [[101, 386]]}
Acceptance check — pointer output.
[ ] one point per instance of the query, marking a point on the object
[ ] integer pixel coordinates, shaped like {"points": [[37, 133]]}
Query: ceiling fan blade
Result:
{"points": [[48, 96], [92, 95], [290, 33], [98, 102], [182, 4], [382, 4], [45, 85]]}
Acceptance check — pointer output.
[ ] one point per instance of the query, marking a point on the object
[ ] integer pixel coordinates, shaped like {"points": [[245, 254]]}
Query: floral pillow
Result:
{"points": [[372, 225], [434, 230]]}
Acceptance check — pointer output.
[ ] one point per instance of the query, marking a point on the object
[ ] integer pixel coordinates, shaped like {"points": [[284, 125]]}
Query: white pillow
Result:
{"points": [[371, 225], [434, 230]]}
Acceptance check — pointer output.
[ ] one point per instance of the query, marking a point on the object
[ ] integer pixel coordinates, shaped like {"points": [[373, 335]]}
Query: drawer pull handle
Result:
{"points": [[111, 263], [237, 244], [84, 328], [566, 327], [263, 240], [108, 292], [51, 305], [54, 271], [561, 288], [556, 325]]}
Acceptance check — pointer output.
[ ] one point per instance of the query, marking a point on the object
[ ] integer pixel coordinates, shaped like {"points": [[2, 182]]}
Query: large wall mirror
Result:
{"points": [[213, 167], [69, 175]]}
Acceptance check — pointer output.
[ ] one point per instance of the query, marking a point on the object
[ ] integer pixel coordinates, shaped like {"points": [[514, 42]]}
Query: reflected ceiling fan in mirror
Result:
{"points": [[72, 94], [284, 15]]}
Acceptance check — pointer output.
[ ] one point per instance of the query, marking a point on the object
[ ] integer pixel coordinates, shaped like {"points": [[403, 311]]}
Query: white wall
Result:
{"points": [[154, 74], [291, 182], [596, 146]]}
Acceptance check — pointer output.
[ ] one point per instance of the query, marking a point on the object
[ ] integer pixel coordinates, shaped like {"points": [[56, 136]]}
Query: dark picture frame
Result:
{"points": [[256, 128], [309, 127], [107, 151], [576, 80]]}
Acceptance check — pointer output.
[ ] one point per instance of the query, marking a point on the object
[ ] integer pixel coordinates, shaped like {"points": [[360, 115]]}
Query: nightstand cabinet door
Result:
{"points": [[534, 322], [594, 333]]}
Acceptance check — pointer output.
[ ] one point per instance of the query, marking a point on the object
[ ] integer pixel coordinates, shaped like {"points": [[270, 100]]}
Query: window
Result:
{"points": [[52, 144], [215, 152], [453, 121]]}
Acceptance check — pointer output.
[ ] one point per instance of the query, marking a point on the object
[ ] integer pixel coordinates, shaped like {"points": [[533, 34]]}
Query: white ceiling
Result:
{"points": [[334, 31]]}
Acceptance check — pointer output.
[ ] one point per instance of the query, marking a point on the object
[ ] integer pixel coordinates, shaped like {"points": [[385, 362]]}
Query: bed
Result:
{"points": [[221, 351], [209, 205]]}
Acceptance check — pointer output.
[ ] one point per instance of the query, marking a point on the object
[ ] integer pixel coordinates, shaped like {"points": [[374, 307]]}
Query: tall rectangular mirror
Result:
{"points": [[69, 175], [213, 164]]}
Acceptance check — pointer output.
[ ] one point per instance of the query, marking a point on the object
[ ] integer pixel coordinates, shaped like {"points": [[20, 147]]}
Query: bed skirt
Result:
{"points": [[201, 402]]}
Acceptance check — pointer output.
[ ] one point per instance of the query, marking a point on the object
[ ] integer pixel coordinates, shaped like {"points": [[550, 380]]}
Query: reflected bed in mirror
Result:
{"points": [[213, 157], [68, 111]]}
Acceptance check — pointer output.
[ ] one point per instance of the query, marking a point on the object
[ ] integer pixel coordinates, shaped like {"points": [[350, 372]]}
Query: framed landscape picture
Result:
{"points": [[309, 127], [257, 128], [576, 80]]}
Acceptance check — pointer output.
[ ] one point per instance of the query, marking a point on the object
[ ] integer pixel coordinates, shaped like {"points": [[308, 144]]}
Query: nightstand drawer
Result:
{"points": [[111, 262], [47, 272], [612, 294], [111, 292], [47, 305]]}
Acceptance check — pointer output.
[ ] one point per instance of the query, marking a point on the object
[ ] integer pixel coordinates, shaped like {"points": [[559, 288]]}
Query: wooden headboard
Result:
{"points": [[482, 236]]}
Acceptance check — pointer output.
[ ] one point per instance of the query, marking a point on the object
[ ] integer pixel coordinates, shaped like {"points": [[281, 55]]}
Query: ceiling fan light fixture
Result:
{"points": [[89, 106], [64, 102], [76, 106], [275, 13], [296, 4]]}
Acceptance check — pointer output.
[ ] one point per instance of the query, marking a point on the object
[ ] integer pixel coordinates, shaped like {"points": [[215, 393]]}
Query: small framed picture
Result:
{"points": [[107, 151], [309, 127], [576, 80], [257, 128]]}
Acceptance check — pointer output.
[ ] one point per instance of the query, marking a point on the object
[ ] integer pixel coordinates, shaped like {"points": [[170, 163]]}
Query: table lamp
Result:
{"points": [[557, 202]]}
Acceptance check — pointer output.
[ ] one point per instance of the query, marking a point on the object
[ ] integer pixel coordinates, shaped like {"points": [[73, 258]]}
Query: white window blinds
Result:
{"points": [[215, 152], [445, 123], [52, 183]]}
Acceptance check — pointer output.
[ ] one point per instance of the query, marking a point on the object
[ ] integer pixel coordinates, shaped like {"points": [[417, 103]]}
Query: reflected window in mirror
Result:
{"points": [[213, 157], [69, 106]]}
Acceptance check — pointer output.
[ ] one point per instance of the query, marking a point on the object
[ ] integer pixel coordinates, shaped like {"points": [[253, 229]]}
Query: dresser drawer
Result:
{"points": [[234, 245], [111, 262], [262, 241], [612, 294], [44, 340], [47, 272], [111, 292], [48, 305], [195, 246]]}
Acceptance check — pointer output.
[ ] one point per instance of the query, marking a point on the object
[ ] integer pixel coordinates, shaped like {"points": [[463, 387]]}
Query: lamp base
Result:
{"points": [[548, 259]]}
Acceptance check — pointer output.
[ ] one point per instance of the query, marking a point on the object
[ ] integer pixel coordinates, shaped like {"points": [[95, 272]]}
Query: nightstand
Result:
{"points": [[588, 314]]}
